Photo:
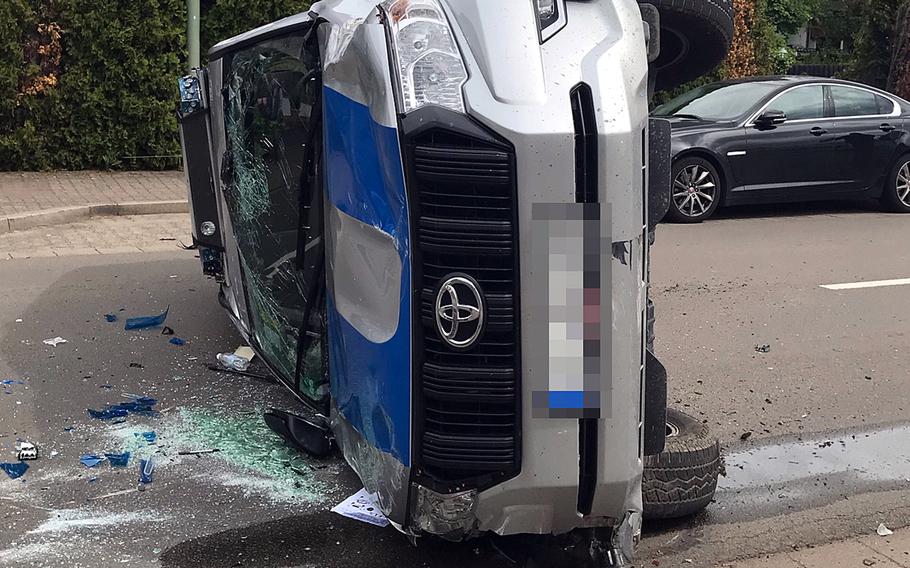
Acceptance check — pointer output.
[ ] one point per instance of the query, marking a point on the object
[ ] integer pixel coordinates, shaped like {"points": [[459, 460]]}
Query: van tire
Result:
{"points": [[695, 38], [681, 480]]}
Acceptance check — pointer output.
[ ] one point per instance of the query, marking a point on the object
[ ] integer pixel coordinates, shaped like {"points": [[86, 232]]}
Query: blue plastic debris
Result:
{"points": [[8, 382], [118, 460], [149, 437], [177, 341], [14, 470], [146, 469], [138, 405], [113, 411], [146, 321], [91, 460], [110, 317]]}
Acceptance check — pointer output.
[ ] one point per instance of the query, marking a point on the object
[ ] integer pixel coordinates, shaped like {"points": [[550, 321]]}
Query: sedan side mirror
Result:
{"points": [[771, 118]]}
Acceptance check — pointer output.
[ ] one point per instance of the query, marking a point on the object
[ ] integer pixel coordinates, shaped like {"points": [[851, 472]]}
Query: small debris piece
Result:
{"points": [[14, 470], [111, 318], [177, 341], [763, 348], [167, 331], [868, 562], [246, 352], [54, 341], [18, 320], [139, 405], [197, 452], [118, 460], [882, 530], [137, 366], [26, 451], [362, 506], [233, 362], [114, 494], [145, 322], [149, 437], [90, 460], [146, 469], [746, 436], [257, 376]]}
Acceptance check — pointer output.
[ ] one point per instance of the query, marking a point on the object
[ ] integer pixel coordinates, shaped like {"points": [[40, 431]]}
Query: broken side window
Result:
{"points": [[272, 123]]}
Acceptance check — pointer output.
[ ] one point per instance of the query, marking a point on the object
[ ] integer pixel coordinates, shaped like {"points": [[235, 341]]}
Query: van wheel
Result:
{"points": [[896, 196], [682, 479], [695, 36]]}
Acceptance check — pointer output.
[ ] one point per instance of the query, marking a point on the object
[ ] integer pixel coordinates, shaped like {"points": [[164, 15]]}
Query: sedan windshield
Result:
{"points": [[718, 101]]}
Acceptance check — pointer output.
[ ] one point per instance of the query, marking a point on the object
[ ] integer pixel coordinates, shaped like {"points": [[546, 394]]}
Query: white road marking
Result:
{"points": [[873, 284]]}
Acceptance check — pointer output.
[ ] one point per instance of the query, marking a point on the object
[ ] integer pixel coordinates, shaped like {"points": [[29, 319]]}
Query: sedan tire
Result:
{"points": [[896, 196], [695, 192]]}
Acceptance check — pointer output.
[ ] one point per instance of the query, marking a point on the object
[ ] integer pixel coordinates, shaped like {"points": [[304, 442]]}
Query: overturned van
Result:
{"points": [[430, 218]]}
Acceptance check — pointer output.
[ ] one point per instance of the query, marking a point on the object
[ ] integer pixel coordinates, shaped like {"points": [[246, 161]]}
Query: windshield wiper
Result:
{"points": [[688, 116]]}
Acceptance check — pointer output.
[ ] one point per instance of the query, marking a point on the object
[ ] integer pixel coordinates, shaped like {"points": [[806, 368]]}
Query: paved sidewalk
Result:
{"points": [[877, 551], [27, 192], [102, 235]]}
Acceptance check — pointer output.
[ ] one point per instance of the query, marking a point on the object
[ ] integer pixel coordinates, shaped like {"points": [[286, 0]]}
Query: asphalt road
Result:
{"points": [[826, 457]]}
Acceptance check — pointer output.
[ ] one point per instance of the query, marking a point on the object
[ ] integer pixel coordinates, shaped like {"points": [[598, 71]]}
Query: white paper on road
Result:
{"points": [[362, 506], [54, 342]]}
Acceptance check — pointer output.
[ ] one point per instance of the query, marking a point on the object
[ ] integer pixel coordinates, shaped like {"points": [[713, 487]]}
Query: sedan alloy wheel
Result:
{"points": [[694, 190], [903, 184]]}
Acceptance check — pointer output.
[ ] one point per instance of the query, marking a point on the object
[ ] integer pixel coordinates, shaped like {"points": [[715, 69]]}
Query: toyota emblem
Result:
{"points": [[459, 311]]}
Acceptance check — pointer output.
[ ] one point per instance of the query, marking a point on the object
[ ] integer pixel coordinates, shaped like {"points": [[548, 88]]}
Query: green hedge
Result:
{"points": [[111, 97]]}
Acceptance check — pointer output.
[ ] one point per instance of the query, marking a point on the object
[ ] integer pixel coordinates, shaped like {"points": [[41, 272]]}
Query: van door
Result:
{"points": [[272, 126]]}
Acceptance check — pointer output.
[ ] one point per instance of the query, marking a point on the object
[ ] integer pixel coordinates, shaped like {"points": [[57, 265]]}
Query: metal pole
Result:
{"points": [[192, 32]]}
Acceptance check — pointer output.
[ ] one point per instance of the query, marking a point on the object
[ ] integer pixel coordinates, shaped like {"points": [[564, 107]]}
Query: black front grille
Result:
{"points": [[462, 198]]}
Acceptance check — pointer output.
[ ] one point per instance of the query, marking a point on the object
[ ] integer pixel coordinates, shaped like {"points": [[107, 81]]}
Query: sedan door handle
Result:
{"points": [[817, 131], [887, 128]]}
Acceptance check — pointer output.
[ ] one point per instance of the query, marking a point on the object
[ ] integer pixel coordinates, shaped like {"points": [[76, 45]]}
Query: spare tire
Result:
{"points": [[682, 479], [695, 36]]}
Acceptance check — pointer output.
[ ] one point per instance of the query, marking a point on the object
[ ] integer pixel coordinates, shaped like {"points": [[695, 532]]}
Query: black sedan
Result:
{"points": [[781, 139]]}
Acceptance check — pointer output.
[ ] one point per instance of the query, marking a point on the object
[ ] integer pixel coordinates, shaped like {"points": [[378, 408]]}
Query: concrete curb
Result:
{"points": [[63, 215]]}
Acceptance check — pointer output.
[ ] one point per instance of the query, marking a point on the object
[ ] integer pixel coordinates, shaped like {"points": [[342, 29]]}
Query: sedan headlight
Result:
{"points": [[428, 64]]}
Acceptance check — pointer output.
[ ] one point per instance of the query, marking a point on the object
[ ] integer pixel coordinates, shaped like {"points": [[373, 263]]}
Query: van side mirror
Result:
{"points": [[771, 118], [650, 17]]}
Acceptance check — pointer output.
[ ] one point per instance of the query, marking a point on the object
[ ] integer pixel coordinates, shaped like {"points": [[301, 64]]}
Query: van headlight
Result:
{"points": [[428, 64], [551, 17]]}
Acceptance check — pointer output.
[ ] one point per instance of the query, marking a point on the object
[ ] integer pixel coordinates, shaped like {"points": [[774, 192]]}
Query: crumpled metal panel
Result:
{"points": [[380, 472], [369, 347]]}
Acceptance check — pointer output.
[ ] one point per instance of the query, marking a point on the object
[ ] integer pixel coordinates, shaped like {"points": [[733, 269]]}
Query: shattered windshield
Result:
{"points": [[270, 121]]}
